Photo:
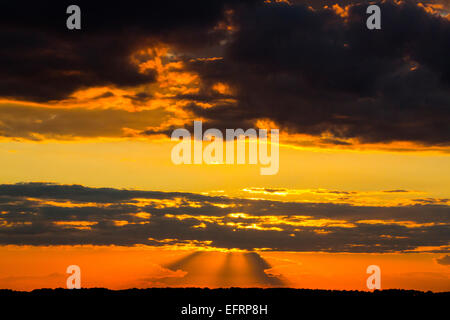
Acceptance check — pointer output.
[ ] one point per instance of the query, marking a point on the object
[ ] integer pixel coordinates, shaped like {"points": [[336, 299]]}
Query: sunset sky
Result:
{"points": [[86, 117]]}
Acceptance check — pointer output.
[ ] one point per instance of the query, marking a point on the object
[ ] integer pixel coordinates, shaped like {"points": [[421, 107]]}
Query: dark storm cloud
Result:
{"points": [[312, 71], [39, 214], [42, 60], [41, 66]]}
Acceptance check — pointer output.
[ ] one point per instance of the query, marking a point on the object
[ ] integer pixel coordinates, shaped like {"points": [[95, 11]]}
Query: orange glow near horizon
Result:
{"points": [[27, 268]]}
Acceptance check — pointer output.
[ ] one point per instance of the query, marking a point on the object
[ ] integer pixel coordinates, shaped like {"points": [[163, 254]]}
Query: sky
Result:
{"points": [[86, 118]]}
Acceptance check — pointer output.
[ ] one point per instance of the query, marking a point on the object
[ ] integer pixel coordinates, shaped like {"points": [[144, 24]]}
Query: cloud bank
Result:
{"points": [[53, 214]]}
